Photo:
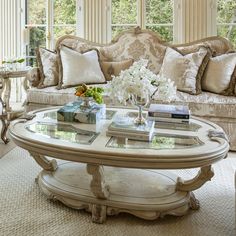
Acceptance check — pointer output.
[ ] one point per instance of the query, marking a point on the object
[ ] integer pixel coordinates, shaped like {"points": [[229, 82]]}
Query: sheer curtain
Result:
{"points": [[95, 18], [11, 38], [194, 19]]}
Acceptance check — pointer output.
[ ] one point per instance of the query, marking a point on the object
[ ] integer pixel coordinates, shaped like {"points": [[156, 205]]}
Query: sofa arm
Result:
{"points": [[33, 77]]}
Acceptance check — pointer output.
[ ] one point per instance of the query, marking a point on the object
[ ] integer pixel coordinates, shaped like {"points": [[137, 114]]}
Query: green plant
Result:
{"points": [[19, 60]]}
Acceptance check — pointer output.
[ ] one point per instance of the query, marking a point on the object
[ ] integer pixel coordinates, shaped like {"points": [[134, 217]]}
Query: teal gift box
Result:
{"points": [[74, 112]]}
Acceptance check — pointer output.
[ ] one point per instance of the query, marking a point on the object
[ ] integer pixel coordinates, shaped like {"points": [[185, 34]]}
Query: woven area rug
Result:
{"points": [[5, 148], [25, 211]]}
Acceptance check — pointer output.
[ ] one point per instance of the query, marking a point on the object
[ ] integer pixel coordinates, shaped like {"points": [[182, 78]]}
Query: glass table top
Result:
{"points": [[65, 132], [159, 141], [46, 125]]}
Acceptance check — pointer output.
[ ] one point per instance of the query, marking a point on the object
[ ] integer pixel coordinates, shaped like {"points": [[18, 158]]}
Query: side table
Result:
{"points": [[6, 76]]}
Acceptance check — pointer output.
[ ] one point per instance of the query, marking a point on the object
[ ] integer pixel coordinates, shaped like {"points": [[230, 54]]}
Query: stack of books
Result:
{"points": [[169, 113], [131, 131]]}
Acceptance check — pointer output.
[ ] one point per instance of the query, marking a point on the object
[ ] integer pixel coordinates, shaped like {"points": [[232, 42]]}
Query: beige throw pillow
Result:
{"points": [[220, 74], [110, 68], [185, 70], [77, 68], [48, 67]]}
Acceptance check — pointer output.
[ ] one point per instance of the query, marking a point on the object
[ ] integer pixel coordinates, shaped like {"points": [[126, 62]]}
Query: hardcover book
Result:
{"points": [[168, 120], [132, 128], [131, 131], [131, 135], [169, 111]]}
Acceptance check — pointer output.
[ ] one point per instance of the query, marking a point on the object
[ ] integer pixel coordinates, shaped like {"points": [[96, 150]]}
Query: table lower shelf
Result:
{"points": [[147, 194]]}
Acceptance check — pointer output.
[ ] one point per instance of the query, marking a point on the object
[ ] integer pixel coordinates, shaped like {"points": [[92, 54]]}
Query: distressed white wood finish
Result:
{"points": [[148, 194], [205, 174], [97, 185], [6, 77], [48, 165]]}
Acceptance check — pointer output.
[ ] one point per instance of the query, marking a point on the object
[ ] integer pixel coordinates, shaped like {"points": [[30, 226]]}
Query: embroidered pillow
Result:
{"points": [[220, 74], [110, 68], [185, 70], [48, 67], [77, 68]]}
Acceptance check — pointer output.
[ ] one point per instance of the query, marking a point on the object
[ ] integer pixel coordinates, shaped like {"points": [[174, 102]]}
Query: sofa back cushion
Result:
{"points": [[220, 74], [48, 67], [113, 68], [185, 70], [77, 68]]}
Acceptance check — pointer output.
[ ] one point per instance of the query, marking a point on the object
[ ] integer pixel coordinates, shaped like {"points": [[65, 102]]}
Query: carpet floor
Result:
{"points": [[5, 148], [25, 211]]}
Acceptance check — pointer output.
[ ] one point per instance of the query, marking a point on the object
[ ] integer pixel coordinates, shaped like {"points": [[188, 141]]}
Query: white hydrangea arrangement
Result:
{"points": [[140, 81]]}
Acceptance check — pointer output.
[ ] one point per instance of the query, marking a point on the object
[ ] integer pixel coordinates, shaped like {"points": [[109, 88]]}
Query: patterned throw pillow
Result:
{"points": [[77, 68], [220, 74], [48, 67], [110, 68], [185, 70]]}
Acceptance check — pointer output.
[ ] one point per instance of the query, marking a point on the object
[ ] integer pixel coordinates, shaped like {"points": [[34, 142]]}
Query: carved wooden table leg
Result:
{"points": [[205, 174], [44, 162], [4, 130], [7, 93], [100, 190], [1, 87], [4, 116], [194, 203], [99, 213]]}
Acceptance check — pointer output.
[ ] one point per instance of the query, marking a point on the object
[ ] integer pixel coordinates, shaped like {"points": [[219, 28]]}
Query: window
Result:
{"points": [[64, 12], [156, 15], [46, 21], [159, 17], [124, 15], [35, 18], [226, 19]]}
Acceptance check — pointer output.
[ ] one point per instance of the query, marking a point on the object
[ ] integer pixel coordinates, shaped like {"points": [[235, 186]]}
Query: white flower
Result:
{"points": [[140, 81]]}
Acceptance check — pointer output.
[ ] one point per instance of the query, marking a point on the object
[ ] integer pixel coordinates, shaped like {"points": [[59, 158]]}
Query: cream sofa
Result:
{"points": [[137, 44]]}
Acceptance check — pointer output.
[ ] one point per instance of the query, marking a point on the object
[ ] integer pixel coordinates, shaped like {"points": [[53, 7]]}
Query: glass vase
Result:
{"points": [[87, 102], [140, 102]]}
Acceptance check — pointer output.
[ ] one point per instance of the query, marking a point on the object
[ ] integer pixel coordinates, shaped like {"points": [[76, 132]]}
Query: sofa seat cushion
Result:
{"points": [[52, 96], [208, 104], [205, 104]]}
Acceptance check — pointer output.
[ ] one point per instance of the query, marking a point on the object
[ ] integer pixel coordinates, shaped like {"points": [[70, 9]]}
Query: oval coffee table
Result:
{"points": [[107, 175]]}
